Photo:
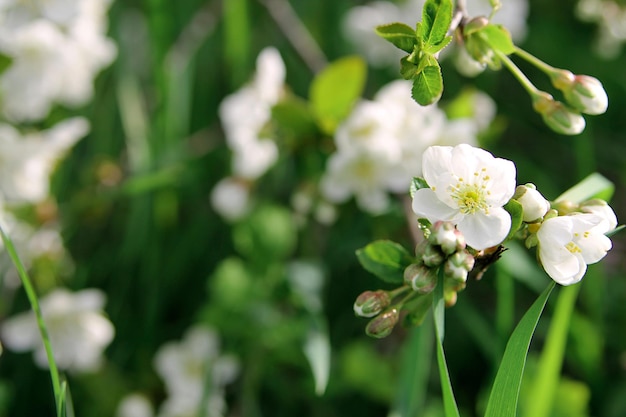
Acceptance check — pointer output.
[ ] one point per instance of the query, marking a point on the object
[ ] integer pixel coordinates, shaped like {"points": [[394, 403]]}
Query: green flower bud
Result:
{"points": [[458, 266], [557, 116], [421, 278], [446, 235], [382, 325], [370, 303], [584, 93], [432, 256], [535, 206]]}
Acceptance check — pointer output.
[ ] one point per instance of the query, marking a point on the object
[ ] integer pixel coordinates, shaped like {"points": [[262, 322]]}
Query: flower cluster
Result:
{"points": [[469, 206], [379, 146], [610, 16], [193, 371], [56, 48], [79, 332], [245, 115]]}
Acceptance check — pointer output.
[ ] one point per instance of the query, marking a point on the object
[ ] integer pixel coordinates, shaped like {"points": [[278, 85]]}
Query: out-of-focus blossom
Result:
{"points": [[27, 160], [56, 48], [567, 244], [380, 145], [610, 16], [191, 367], [230, 198], [245, 113], [468, 187], [78, 330], [135, 405], [360, 22]]}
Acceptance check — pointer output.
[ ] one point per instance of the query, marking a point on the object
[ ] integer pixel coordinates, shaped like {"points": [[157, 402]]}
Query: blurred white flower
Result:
{"points": [[230, 198], [135, 405], [191, 367], [26, 161], [567, 244], [57, 47], [361, 174], [381, 143], [610, 16], [246, 112], [468, 187], [78, 330]]}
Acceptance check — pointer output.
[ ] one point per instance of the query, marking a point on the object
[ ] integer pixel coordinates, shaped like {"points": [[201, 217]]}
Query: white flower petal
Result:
{"points": [[427, 205], [483, 231]]}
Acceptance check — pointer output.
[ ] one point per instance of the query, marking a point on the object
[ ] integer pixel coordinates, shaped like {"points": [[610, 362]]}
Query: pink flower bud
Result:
{"points": [[370, 303], [421, 278], [382, 325], [557, 116]]}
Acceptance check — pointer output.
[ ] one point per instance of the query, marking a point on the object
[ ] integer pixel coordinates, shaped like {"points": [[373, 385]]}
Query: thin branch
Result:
{"points": [[296, 33]]}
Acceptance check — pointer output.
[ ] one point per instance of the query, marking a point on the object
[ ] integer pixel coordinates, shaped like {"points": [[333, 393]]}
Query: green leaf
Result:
{"points": [[516, 211], [505, 390], [449, 403], [428, 86], [417, 183], [293, 116], [335, 89], [593, 186], [546, 380], [399, 34], [436, 19], [385, 259], [433, 49], [408, 70], [498, 38]]}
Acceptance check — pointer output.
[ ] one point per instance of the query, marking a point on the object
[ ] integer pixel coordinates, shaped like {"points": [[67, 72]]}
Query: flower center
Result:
{"points": [[573, 248], [471, 197]]}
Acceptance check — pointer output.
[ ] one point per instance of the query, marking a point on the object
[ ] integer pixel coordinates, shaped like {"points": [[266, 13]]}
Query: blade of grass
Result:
{"points": [[546, 380], [505, 391], [59, 392], [449, 403], [416, 360]]}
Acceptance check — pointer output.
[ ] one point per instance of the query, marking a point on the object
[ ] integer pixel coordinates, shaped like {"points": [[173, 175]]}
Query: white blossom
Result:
{"points": [[468, 187], [381, 143], [230, 198], [27, 161], [184, 367], [134, 405], [603, 210], [610, 16], [567, 244], [246, 112], [57, 47], [78, 330]]}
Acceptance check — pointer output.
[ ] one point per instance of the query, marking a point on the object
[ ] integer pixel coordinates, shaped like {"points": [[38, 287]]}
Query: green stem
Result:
{"points": [[34, 303], [517, 73], [548, 69]]}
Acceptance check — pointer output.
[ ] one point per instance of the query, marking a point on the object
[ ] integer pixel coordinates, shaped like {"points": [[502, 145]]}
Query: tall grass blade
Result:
{"points": [[505, 391], [59, 393]]}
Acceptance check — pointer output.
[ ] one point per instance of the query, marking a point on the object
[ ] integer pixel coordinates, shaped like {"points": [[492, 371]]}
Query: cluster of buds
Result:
{"points": [[444, 248], [490, 45], [443, 251]]}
